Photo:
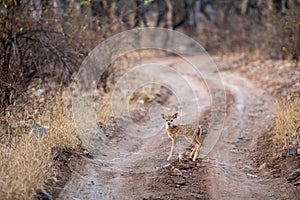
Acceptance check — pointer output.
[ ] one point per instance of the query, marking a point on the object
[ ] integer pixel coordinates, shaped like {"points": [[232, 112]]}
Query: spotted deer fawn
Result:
{"points": [[191, 133]]}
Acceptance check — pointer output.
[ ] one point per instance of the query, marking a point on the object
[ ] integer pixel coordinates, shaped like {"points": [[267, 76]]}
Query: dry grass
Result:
{"points": [[27, 159], [24, 168], [103, 109], [287, 123]]}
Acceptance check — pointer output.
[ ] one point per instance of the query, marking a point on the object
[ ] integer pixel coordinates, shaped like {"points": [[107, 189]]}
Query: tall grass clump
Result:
{"points": [[27, 159], [24, 168], [287, 123]]}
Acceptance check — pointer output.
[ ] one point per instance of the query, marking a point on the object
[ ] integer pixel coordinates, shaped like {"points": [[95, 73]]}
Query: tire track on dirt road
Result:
{"points": [[129, 173], [230, 172]]}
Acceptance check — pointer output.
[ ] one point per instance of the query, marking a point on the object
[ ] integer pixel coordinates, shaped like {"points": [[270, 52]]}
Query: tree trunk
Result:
{"points": [[227, 10], [197, 9], [245, 7], [5, 81], [169, 14]]}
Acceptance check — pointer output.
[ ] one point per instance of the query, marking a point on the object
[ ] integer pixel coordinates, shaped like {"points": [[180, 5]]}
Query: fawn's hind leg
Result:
{"points": [[193, 152], [196, 149]]}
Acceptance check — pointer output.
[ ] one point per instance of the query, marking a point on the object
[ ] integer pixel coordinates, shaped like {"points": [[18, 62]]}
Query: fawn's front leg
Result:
{"points": [[172, 148], [196, 151]]}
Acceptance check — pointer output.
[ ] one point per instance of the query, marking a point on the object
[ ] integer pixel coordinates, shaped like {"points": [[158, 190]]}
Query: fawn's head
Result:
{"points": [[169, 119]]}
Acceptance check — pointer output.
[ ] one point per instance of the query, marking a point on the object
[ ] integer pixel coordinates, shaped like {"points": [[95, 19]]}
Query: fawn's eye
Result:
{"points": [[171, 120], [166, 120]]}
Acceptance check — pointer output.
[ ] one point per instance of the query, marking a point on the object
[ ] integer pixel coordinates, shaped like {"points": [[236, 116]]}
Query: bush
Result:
{"points": [[27, 159], [287, 123], [33, 46]]}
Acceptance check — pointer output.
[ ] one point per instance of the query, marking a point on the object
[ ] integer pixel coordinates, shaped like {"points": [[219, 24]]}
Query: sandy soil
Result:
{"points": [[136, 168]]}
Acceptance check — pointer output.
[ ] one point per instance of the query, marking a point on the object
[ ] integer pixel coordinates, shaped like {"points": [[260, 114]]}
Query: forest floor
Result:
{"points": [[244, 163]]}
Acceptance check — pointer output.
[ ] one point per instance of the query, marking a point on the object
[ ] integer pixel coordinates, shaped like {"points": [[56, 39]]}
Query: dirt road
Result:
{"points": [[136, 167]]}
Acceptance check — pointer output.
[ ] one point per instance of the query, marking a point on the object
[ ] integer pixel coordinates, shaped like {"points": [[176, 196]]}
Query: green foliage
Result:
{"points": [[83, 3], [148, 1]]}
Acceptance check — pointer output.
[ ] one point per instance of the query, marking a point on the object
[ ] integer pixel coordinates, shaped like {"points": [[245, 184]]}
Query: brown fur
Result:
{"points": [[190, 132]]}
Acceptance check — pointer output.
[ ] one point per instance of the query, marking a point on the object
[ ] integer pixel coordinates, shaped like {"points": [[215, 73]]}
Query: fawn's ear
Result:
{"points": [[163, 116], [175, 116]]}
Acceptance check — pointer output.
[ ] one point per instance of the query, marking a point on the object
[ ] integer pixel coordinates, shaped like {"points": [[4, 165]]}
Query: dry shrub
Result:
{"points": [[287, 123], [27, 159], [291, 34], [103, 109], [24, 167], [61, 126]]}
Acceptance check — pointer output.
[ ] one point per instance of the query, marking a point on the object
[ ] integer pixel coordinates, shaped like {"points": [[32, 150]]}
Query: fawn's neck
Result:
{"points": [[172, 130]]}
